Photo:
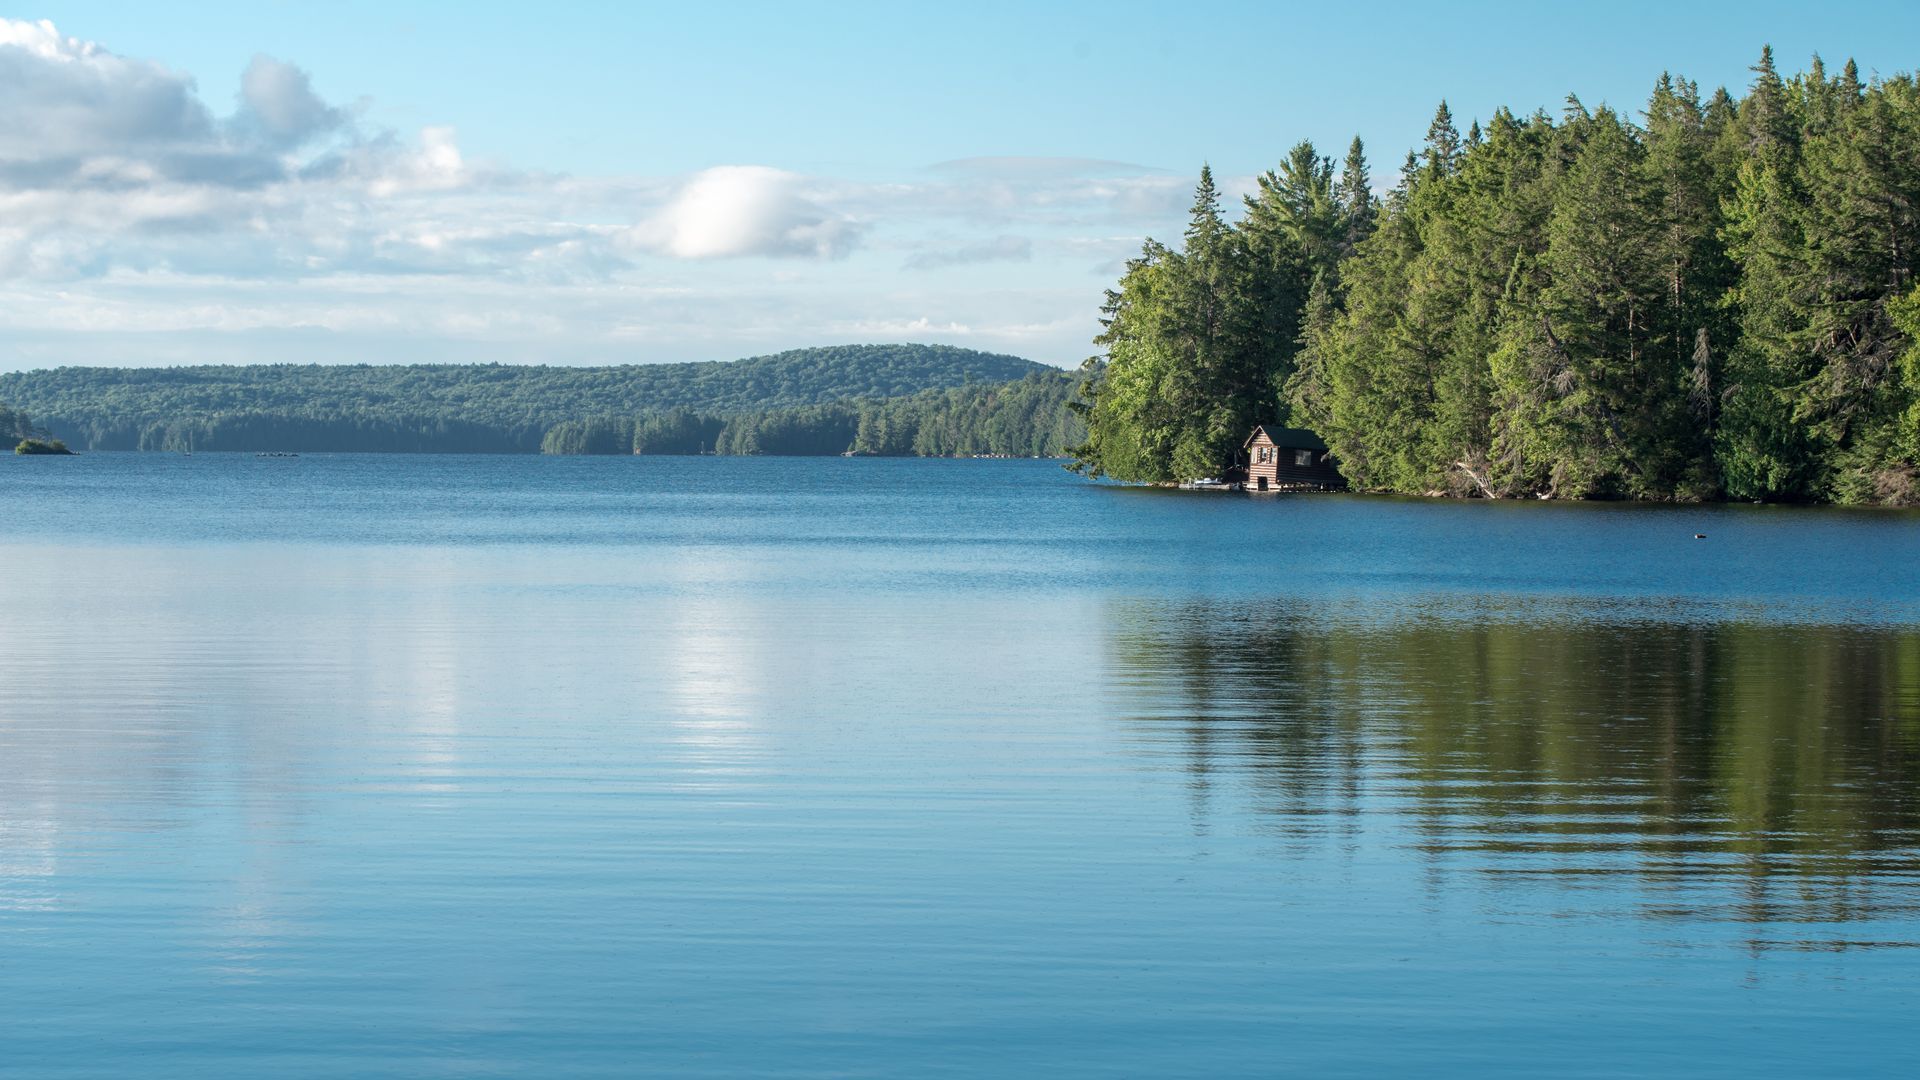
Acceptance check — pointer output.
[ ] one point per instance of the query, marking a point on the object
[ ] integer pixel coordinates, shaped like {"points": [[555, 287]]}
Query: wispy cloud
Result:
{"points": [[998, 249]]}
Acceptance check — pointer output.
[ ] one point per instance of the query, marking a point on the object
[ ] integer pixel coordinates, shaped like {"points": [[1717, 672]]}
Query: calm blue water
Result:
{"points": [[480, 766]]}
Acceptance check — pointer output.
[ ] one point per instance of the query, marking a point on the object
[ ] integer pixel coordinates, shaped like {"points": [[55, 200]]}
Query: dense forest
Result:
{"points": [[1028, 417], [15, 424], [18, 430], [459, 408], [1712, 299]]}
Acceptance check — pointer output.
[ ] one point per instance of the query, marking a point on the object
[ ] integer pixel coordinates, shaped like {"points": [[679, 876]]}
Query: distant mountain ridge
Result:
{"points": [[491, 408]]}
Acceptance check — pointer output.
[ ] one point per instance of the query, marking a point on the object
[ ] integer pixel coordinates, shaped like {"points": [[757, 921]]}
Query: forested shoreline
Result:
{"points": [[18, 430], [1713, 300], [1030, 417], [463, 408], [15, 424]]}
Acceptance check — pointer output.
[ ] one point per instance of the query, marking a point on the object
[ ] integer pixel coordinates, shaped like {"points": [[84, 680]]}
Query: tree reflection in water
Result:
{"points": [[1673, 769]]}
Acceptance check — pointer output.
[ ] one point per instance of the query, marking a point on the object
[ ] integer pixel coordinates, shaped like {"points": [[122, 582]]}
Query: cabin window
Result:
{"points": [[1303, 457]]}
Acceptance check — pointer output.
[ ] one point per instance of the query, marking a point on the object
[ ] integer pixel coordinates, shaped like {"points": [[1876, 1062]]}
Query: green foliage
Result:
{"points": [[809, 430], [469, 408], [594, 435], [677, 432], [1199, 341], [1715, 300], [1028, 417], [1766, 738], [15, 424]]}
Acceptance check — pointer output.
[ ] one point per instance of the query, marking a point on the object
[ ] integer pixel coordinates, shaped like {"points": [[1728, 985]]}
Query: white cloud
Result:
{"points": [[436, 165], [278, 105], [114, 163], [732, 210], [137, 223], [78, 116], [69, 100]]}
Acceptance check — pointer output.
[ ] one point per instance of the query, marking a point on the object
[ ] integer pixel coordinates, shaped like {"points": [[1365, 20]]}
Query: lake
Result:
{"points": [[478, 766]]}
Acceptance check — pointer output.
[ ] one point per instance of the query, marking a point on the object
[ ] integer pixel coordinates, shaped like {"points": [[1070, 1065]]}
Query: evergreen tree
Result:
{"points": [[1172, 392], [1590, 407], [1443, 143], [1294, 230], [1719, 299], [1355, 199], [1409, 175], [1697, 275], [1766, 116], [1205, 228], [1306, 390]]}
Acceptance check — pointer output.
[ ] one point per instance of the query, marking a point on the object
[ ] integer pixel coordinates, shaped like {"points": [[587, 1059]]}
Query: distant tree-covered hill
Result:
{"points": [[1030, 417], [459, 408]]}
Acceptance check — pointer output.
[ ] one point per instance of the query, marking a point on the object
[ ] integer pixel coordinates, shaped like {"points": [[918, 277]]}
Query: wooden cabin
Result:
{"points": [[1290, 459]]}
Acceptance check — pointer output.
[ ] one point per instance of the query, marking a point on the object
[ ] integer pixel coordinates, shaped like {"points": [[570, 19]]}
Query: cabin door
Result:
{"points": [[1263, 483]]}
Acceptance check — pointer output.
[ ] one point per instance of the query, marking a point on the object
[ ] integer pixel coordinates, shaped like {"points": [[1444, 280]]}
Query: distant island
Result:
{"points": [[1710, 297], [931, 400], [41, 446]]}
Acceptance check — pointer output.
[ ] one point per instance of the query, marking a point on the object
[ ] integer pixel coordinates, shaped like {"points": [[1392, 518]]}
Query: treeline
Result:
{"points": [[1714, 299], [470, 408], [251, 430], [1029, 417], [15, 424], [18, 431]]}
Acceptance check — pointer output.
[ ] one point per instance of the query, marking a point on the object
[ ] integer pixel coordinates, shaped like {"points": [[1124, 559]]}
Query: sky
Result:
{"points": [[632, 183]]}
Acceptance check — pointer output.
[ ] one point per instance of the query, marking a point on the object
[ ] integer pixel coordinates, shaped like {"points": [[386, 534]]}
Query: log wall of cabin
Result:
{"points": [[1280, 471]]}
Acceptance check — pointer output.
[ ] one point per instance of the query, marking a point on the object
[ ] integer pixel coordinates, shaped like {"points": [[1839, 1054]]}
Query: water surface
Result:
{"points": [[474, 766]]}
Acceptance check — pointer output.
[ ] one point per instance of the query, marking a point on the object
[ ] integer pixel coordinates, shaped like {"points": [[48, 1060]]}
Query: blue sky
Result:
{"points": [[630, 182]]}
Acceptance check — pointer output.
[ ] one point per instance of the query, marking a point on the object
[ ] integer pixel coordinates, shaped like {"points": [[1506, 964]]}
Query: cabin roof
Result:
{"points": [[1289, 438]]}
